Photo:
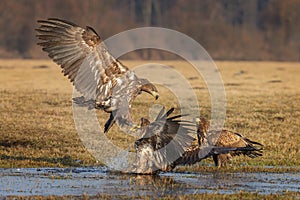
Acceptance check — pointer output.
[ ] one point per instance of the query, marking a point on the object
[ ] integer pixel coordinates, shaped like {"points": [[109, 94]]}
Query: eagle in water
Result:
{"points": [[227, 139], [162, 141], [103, 81], [170, 141]]}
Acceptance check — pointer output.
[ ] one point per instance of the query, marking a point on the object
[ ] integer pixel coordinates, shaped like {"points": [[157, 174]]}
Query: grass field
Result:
{"points": [[241, 195], [37, 127]]}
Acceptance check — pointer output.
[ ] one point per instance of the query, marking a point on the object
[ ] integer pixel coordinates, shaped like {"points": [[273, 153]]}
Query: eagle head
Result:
{"points": [[149, 88], [203, 126]]}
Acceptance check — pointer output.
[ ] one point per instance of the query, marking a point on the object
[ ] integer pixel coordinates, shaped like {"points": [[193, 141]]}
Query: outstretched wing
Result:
{"points": [[164, 141], [196, 153], [228, 143], [104, 82], [82, 56]]}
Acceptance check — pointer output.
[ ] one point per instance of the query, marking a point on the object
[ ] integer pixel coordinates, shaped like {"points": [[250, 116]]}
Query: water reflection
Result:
{"points": [[153, 185], [93, 181]]}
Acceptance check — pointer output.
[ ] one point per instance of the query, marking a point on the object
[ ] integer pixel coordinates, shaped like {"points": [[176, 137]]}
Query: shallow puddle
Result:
{"points": [[92, 181]]}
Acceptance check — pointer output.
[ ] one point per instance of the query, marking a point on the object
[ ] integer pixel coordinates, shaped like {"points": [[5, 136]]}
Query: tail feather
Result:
{"points": [[250, 151], [254, 143]]}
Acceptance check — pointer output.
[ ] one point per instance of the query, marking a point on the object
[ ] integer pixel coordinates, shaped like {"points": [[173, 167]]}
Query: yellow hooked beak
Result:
{"points": [[155, 94]]}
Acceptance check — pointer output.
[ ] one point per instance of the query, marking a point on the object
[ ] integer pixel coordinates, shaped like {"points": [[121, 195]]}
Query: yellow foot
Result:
{"points": [[135, 127]]}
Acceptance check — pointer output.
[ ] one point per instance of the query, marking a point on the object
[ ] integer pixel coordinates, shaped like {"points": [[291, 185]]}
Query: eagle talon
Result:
{"points": [[135, 127], [109, 87]]}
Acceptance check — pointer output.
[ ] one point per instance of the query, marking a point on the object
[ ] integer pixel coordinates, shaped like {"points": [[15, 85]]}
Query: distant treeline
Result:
{"points": [[227, 29]]}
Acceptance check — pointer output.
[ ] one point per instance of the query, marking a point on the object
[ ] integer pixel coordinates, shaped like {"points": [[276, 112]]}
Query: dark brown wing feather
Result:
{"points": [[166, 139], [104, 82], [232, 139], [81, 54], [228, 139], [185, 150]]}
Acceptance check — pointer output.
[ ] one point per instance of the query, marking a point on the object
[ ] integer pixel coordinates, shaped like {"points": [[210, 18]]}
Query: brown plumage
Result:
{"points": [[144, 122], [104, 81], [227, 139], [162, 142], [162, 146], [196, 153]]}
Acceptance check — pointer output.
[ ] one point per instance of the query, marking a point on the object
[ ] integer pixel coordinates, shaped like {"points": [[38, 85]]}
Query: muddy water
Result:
{"points": [[92, 181]]}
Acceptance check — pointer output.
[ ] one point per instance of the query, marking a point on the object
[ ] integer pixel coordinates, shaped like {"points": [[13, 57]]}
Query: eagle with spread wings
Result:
{"points": [[103, 81], [227, 139], [170, 141], [162, 142]]}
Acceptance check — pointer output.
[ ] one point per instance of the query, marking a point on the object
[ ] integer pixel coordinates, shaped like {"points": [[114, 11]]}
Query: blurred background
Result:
{"points": [[227, 29]]}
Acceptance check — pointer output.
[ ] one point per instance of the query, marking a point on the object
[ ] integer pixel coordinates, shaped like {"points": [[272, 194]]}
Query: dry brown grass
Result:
{"points": [[237, 196], [37, 128]]}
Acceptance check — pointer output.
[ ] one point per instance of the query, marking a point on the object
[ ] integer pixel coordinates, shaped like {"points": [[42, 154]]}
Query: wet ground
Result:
{"points": [[92, 181]]}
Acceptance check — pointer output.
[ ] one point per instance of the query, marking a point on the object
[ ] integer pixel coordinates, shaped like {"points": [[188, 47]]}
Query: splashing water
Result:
{"points": [[123, 162]]}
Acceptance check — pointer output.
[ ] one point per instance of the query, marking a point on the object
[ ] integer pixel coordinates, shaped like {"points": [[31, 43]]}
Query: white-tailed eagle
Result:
{"points": [[227, 139], [104, 82], [162, 142]]}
